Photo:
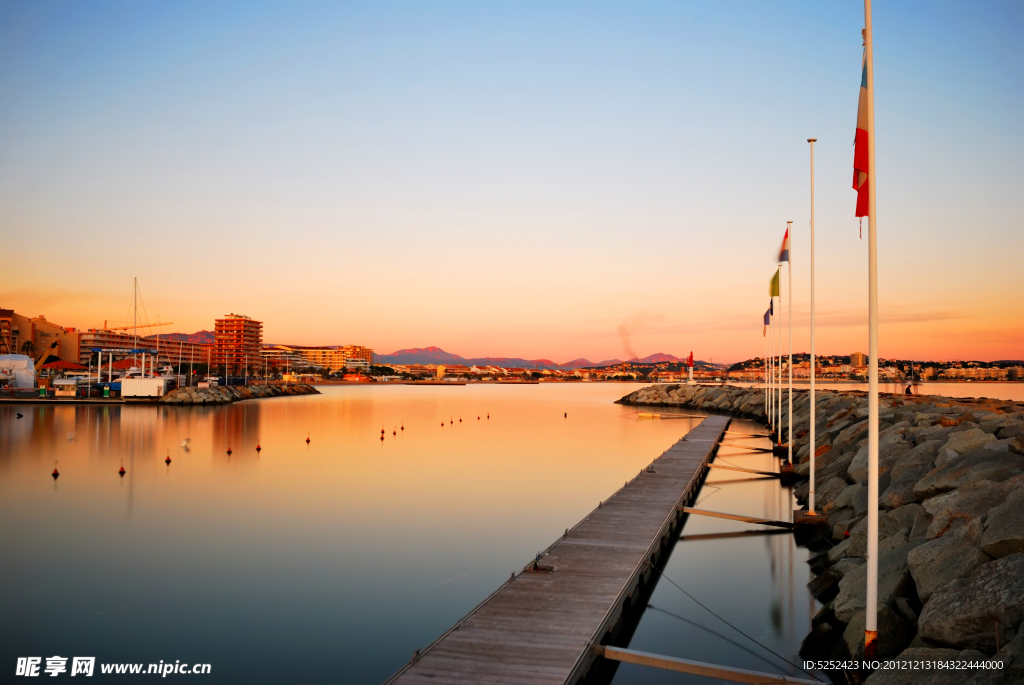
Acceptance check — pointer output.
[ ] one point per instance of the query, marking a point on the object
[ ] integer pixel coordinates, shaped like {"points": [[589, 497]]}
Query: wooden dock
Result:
{"points": [[541, 626]]}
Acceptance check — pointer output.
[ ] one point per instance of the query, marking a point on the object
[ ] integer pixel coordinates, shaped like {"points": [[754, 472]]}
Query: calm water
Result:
{"points": [[336, 560]]}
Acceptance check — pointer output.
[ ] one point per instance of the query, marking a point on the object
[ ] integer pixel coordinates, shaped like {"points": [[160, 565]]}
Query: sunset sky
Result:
{"points": [[523, 179]]}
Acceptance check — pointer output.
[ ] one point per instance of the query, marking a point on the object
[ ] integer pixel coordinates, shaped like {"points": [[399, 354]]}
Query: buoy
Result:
{"points": [[19, 416], [382, 438], [460, 418], [55, 471], [307, 438], [168, 459], [488, 416], [394, 432], [258, 448], [229, 451], [477, 417], [451, 420], [442, 424], [403, 426], [121, 470], [566, 414], [382, 430]]}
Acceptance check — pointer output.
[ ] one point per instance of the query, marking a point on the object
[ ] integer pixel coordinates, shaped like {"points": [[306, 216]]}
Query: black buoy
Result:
{"points": [[307, 438], [55, 471], [121, 470], [229, 451], [258, 448], [460, 418]]}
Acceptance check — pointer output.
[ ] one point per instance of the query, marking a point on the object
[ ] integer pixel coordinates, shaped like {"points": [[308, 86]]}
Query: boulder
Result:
{"points": [[967, 612], [969, 468], [894, 634], [971, 501], [904, 475], [1012, 671], [893, 576], [826, 493], [1004, 528], [961, 443], [1010, 429], [954, 555]]}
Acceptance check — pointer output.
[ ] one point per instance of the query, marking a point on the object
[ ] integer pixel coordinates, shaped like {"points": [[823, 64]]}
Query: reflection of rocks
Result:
{"points": [[234, 393], [951, 522]]}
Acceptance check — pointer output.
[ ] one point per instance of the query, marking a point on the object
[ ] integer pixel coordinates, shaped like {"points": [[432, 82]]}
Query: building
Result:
{"points": [[168, 351], [330, 357], [858, 359], [36, 337], [239, 341]]}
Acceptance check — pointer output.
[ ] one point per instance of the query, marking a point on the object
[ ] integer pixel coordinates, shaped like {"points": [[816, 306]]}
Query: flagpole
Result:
{"points": [[789, 267], [810, 510], [871, 616]]}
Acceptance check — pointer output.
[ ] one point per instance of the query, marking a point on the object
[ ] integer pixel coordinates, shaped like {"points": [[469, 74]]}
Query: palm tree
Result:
{"points": [[28, 347]]}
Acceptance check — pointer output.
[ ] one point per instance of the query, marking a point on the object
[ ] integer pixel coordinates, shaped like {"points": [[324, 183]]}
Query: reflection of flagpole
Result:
{"points": [[789, 266], [778, 368], [871, 616], [810, 510]]}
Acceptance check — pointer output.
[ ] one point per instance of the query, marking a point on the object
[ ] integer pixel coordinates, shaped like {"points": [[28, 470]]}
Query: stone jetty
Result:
{"points": [[951, 523], [234, 393]]}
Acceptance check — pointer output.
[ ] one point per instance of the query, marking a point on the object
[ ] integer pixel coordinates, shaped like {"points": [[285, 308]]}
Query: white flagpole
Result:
{"points": [[789, 266], [810, 510], [771, 376], [871, 616]]}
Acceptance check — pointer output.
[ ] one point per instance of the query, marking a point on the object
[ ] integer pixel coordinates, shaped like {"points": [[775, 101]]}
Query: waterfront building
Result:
{"points": [[35, 336], [858, 359], [168, 351], [238, 343], [330, 357]]}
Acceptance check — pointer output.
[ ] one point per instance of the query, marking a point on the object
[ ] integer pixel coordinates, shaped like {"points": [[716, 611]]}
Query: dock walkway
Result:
{"points": [[539, 626]]}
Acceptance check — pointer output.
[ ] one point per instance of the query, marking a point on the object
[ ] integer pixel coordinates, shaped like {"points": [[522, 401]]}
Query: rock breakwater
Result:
{"points": [[951, 522], [234, 393]]}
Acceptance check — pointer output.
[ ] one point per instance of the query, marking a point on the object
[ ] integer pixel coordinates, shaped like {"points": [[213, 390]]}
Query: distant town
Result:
{"points": [[235, 348]]}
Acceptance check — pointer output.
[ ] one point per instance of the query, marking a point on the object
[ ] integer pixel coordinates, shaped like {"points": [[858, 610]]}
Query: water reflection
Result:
{"points": [[755, 580], [332, 560]]}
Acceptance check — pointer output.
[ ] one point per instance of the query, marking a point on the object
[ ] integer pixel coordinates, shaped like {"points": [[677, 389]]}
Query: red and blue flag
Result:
{"points": [[860, 147]]}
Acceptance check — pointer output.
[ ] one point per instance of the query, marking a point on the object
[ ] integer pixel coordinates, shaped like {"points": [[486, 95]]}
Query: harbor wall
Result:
{"points": [[234, 393], [951, 520]]}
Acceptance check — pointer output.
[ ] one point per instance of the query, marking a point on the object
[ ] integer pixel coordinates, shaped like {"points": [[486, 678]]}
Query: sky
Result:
{"points": [[526, 179]]}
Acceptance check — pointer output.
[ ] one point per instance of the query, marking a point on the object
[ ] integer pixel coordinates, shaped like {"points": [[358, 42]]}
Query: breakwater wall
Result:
{"points": [[951, 522], [234, 393]]}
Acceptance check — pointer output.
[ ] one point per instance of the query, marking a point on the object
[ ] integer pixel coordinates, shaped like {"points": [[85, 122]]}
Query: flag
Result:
{"points": [[860, 147], [773, 286], [784, 250], [771, 307], [767, 315]]}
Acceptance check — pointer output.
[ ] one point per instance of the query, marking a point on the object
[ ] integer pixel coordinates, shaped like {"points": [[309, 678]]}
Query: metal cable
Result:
{"points": [[698, 602]]}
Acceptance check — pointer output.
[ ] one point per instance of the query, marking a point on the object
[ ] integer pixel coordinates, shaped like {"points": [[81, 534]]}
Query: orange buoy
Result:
{"points": [[168, 459], [403, 426], [121, 470], [229, 450], [477, 417], [394, 432], [382, 430], [55, 471], [442, 424], [382, 438], [460, 418], [307, 438], [258, 448]]}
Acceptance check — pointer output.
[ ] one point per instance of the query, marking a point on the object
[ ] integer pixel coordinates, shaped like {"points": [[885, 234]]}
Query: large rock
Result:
{"points": [[954, 555], [969, 468], [971, 501], [1004, 529], [894, 634], [965, 613], [1012, 667], [906, 473], [892, 580], [890, 450], [962, 443]]}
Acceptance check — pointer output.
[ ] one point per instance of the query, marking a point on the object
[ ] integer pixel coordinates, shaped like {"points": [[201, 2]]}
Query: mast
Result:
{"points": [[810, 508]]}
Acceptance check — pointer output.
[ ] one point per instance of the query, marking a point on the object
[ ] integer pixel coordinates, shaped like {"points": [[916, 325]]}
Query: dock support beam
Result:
{"points": [[671, 663]]}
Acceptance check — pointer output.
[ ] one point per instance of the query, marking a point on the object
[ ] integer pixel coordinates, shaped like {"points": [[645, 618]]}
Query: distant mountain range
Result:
{"points": [[197, 337], [435, 355]]}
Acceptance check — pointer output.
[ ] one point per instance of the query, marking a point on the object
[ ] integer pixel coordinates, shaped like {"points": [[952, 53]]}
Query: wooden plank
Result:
{"points": [[671, 663], [538, 626]]}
